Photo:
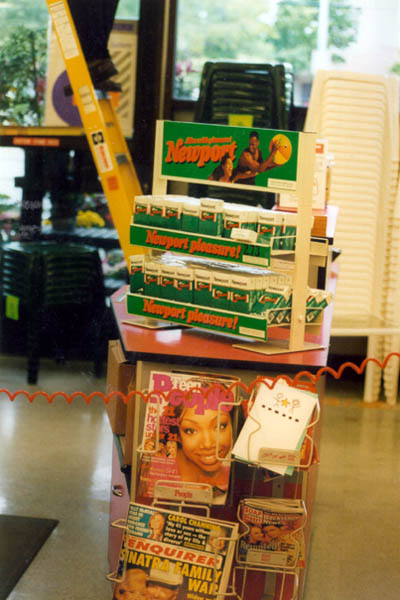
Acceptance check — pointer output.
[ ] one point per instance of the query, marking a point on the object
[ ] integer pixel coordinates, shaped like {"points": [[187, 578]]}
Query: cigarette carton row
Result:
{"points": [[226, 287], [214, 217]]}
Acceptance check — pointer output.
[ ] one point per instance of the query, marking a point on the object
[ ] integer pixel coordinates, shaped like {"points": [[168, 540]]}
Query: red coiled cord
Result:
{"points": [[303, 379]]}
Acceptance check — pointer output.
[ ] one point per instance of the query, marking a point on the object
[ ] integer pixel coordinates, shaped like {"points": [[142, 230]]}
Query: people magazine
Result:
{"points": [[188, 437]]}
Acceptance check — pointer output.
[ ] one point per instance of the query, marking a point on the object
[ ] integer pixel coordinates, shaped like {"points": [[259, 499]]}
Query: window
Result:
{"points": [[128, 9], [357, 35], [32, 14]]}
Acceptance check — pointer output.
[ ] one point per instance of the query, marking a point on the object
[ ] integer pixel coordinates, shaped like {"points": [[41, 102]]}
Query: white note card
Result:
{"points": [[277, 419]]}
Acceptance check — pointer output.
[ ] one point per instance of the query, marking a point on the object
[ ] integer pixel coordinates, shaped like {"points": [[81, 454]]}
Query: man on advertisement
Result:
{"points": [[251, 161]]}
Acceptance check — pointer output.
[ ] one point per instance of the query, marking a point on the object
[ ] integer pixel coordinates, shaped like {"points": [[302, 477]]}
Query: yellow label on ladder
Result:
{"points": [[100, 121]]}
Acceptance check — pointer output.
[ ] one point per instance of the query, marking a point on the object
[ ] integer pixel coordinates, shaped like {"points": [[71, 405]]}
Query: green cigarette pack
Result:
{"points": [[141, 210], [167, 279], [156, 211], [252, 218], [242, 293], [183, 284], [234, 216], [269, 226], [221, 289], [202, 287], [288, 231], [136, 272], [272, 300], [173, 212], [211, 219], [190, 215], [152, 271]]}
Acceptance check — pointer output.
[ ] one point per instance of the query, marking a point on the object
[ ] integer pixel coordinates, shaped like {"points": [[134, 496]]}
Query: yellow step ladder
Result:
{"points": [[100, 122]]}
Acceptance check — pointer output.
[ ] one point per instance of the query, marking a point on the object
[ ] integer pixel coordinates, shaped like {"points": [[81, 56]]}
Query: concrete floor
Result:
{"points": [[55, 462], [355, 549]]}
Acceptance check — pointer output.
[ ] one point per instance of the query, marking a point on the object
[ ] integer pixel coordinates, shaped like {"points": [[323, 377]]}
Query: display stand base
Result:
{"points": [[148, 323], [275, 347]]}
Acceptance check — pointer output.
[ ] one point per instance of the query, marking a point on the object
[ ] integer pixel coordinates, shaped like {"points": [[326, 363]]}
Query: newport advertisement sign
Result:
{"points": [[239, 156]]}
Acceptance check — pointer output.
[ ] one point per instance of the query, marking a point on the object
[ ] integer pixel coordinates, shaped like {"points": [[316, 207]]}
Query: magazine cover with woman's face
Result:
{"points": [[188, 436]]}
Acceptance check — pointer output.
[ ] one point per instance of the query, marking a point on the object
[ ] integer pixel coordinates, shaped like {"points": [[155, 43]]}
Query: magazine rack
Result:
{"points": [[282, 575], [164, 491], [202, 493], [252, 327], [119, 524]]}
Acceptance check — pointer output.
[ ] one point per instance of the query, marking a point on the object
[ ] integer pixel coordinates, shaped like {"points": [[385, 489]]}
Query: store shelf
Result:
{"points": [[204, 246], [216, 248], [251, 326], [222, 321], [362, 326]]}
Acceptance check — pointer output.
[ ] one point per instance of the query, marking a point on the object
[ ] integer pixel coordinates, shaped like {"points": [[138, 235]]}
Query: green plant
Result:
{"points": [[22, 76]]}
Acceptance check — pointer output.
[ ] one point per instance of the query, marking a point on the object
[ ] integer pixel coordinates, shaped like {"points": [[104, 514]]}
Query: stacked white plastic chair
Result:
{"points": [[358, 115], [392, 302]]}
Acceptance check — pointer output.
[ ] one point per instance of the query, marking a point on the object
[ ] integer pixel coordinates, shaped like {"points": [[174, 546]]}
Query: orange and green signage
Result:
{"points": [[264, 158]]}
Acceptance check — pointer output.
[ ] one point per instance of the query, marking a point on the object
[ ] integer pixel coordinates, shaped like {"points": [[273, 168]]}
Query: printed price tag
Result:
{"points": [[256, 255], [282, 184], [184, 492], [275, 558], [279, 456], [12, 307]]}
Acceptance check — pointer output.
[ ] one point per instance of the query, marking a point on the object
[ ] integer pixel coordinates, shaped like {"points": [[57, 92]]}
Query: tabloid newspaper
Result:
{"points": [[187, 437], [174, 555], [271, 532]]}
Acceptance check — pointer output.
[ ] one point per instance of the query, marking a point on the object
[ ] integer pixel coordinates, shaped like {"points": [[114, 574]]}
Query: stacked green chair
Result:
{"points": [[59, 285], [20, 274], [262, 91]]}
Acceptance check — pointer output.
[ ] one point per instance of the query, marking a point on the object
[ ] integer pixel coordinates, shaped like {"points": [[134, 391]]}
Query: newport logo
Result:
{"points": [[200, 150]]}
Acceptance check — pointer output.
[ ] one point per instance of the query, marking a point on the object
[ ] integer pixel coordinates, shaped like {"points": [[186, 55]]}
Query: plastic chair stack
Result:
{"points": [[358, 115], [260, 94], [55, 284], [263, 91], [392, 302]]}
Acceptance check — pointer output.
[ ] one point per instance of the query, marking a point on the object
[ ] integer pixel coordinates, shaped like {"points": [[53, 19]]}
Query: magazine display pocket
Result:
{"points": [[271, 533], [176, 555], [271, 541], [277, 433]]}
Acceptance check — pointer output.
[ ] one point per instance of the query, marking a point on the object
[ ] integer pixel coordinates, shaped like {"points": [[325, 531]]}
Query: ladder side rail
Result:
{"points": [[106, 141]]}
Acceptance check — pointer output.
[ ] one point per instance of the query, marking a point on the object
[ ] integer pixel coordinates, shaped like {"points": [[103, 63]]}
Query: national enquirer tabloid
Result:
{"points": [[177, 555], [188, 436]]}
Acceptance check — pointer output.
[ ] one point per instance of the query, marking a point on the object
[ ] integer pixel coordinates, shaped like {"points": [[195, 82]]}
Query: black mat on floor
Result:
{"points": [[20, 540]]}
